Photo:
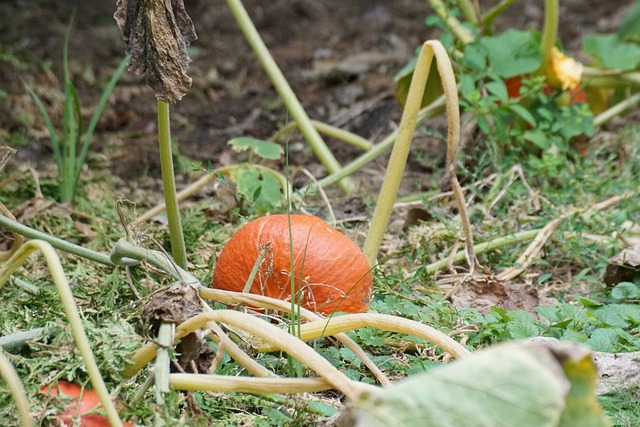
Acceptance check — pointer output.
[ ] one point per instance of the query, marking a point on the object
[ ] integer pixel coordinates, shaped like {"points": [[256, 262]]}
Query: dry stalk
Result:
{"points": [[282, 340], [12, 381], [236, 353], [228, 384], [227, 297], [534, 248], [430, 49], [328, 327]]}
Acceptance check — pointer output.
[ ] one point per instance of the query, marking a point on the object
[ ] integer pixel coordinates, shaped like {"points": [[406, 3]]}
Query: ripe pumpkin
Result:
{"points": [[83, 401], [336, 275]]}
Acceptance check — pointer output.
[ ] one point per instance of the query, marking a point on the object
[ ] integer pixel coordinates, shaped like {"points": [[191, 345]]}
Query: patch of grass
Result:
{"points": [[623, 406]]}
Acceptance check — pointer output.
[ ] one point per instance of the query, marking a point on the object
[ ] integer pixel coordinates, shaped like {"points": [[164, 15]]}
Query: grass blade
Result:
{"points": [[98, 112]]}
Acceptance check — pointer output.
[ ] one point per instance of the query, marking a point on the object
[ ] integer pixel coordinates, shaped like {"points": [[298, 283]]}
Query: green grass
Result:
{"points": [[623, 406], [570, 269]]}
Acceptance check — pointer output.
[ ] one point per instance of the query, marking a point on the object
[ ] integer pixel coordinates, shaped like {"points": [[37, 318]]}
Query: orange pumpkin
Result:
{"points": [[82, 405], [331, 272]]}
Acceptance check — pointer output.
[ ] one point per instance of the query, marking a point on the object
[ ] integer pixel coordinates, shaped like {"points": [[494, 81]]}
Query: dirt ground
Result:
{"points": [[339, 57]]}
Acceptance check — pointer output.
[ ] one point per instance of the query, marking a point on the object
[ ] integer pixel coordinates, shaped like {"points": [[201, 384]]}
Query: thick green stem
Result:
{"points": [[550, 32], [469, 12], [463, 34], [125, 253], [178, 248], [287, 95], [398, 160], [57, 243], [493, 13]]}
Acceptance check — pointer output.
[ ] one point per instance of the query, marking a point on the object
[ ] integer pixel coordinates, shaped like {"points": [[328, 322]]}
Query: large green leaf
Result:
{"points": [[611, 52], [513, 53], [511, 384], [260, 187]]}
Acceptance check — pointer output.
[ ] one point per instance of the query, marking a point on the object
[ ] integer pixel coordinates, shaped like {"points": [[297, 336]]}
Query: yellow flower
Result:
{"points": [[563, 71]]}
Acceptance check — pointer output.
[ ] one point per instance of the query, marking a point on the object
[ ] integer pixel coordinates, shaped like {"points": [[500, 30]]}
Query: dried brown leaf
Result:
{"points": [[157, 33]]}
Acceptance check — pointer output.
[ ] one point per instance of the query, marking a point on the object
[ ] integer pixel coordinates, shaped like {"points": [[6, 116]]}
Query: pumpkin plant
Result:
{"points": [[521, 87]]}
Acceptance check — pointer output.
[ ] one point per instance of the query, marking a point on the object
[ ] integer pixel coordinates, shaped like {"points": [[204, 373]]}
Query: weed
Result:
{"points": [[623, 406], [71, 146]]}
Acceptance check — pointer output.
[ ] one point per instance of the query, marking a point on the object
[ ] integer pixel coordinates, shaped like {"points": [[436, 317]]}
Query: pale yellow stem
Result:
{"points": [[386, 322], [282, 340], [228, 297], [17, 390], [228, 384]]}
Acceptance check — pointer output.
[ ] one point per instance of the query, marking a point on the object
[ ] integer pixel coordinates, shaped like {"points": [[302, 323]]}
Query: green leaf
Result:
{"points": [[513, 53], [618, 314], [523, 113], [264, 149], [574, 313], [611, 52], [370, 338], [522, 330], [538, 137], [475, 57], [323, 408], [613, 315], [258, 186], [574, 336], [506, 385], [603, 340], [587, 302], [499, 89], [549, 312], [625, 291]]}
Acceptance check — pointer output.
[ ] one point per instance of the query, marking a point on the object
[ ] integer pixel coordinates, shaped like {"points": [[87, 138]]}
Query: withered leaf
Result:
{"points": [[157, 33]]}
